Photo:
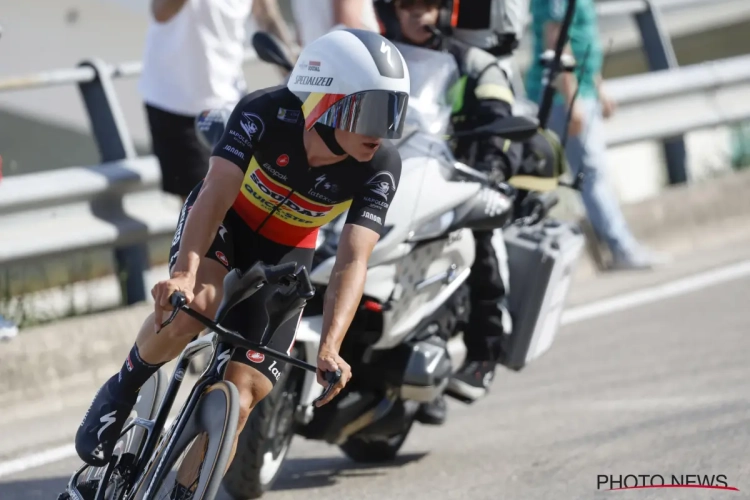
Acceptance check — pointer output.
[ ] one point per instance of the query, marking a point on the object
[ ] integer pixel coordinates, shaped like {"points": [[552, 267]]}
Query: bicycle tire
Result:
{"points": [[216, 414]]}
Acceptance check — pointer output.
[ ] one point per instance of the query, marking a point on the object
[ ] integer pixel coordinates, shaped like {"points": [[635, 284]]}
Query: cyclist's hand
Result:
{"points": [[163, 290], [330, 361]]}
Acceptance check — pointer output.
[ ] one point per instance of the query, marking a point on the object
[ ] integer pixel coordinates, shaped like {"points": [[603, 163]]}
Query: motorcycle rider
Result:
{"points": [[484, 95], [292, 158]]}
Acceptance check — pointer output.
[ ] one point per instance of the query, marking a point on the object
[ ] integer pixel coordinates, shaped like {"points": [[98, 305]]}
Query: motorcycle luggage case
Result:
{"points": [[541, 261]]}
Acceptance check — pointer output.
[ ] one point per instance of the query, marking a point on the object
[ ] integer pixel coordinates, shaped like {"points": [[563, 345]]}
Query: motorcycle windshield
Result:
{"points": [[433, 74]]}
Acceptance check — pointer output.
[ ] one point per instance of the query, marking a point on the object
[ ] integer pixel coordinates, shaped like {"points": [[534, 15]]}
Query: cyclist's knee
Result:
{"points": [[252, 387]]}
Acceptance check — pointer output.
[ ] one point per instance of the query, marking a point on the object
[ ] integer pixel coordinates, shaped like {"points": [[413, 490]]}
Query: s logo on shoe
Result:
{"points": [[107, 420]]}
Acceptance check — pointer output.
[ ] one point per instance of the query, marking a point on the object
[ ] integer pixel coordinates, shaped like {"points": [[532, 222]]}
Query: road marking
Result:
{"points": [[44, 457], [571, 316], [656, 293], [37, 460]]}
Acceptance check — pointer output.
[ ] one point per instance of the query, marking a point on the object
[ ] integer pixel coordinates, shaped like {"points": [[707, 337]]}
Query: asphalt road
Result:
{"points": [[656, 388]]}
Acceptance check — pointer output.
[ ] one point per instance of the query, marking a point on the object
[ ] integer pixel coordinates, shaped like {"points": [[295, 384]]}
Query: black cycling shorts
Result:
{"points": [[236, 246]]}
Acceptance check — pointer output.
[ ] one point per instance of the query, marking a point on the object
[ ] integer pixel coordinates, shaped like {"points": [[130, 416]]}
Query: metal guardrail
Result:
{"points": [[671, 103], [119, 204], [116, 204]]}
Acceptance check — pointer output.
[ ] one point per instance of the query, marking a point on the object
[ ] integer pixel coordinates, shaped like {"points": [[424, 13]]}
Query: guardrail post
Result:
{"points": [[115, 143], [660, 56]]}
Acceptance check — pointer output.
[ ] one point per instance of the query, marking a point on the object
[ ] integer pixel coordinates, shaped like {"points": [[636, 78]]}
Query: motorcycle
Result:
{"points": [[405, 341]]}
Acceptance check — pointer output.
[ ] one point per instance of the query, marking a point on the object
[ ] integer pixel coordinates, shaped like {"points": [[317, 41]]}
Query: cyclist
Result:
{"points": [[291, 159], [483, 95]]}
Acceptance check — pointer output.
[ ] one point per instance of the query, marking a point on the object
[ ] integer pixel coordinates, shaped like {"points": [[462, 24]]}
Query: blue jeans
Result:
{"points": [[588, 152]]}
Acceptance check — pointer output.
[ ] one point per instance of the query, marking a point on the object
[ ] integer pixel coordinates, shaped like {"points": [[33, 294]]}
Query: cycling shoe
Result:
{"points": [[101, 427]]}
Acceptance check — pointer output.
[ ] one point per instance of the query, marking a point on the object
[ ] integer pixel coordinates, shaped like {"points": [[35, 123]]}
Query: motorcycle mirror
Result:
{"points": [[270, 50], [515, 128]]}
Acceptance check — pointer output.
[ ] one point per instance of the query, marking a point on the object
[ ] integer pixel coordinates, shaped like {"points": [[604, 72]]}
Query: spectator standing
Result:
{"points": [[193, 62], [314, 18], [586, 147]]}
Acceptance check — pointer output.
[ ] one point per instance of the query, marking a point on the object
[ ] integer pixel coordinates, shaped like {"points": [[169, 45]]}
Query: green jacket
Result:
{"points": [[584, 41]]}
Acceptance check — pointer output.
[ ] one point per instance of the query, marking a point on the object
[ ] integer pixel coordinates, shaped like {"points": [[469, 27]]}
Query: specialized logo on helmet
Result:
{"points": [[252, 124], [316, 81], [386, 49], [384, 54], [382, 184]]}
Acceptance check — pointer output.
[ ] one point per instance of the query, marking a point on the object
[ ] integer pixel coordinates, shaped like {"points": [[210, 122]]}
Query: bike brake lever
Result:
{"points": [[332, 378], [177, 300]]}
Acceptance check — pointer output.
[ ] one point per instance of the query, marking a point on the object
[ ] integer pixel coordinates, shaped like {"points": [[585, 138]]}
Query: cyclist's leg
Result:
{"points": [[254, 374], [157, 349], [103, 421]]}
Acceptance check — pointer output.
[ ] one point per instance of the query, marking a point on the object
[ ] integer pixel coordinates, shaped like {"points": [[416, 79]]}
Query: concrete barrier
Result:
{"points": [[78, 354]]}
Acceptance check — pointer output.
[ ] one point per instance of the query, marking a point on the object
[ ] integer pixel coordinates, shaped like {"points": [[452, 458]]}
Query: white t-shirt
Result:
{"points": [[194, 61], [314, 18]]}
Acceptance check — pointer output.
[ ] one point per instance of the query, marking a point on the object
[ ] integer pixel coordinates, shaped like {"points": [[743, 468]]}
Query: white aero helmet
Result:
{"points": [[353, 80]]}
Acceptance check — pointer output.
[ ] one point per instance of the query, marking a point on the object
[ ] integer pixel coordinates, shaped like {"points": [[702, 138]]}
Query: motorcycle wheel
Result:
{"points": [[369, 450], [266, 439]]}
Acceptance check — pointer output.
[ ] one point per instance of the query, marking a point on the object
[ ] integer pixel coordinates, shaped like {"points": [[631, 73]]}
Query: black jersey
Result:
{"points": [[264, 137]]}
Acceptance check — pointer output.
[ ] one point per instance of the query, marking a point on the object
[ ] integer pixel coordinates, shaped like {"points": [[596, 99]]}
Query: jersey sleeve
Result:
{"points": [[245, 130], [372, 200]]}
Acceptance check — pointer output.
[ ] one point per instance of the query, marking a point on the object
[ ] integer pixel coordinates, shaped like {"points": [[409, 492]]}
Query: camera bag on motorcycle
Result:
{"points": [[541, 262]]}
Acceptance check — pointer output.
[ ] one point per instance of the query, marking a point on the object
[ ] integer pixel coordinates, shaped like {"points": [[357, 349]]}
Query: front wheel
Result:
{"points": [[195, 464], [264, 442]]}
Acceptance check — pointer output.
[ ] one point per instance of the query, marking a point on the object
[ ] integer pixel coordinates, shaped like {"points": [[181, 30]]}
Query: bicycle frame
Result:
{"points": [[224, 342]]}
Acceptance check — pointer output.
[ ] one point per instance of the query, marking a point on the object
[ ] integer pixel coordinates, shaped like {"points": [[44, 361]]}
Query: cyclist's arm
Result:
{"points": [[364, 225], [346, 284], [164, 10], [228, 164], [220, 188]]}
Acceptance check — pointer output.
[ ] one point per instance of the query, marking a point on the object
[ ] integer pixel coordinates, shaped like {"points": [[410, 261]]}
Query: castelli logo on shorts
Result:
{"points": [[255, 357], [222, 258], [128, 363], [282, 160]]}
